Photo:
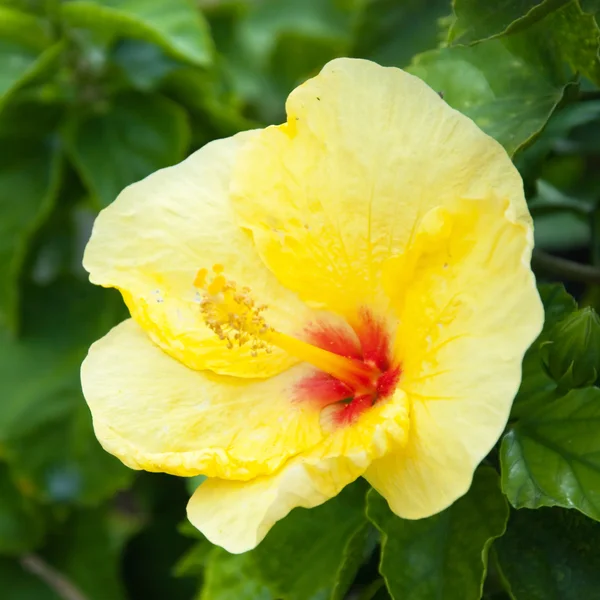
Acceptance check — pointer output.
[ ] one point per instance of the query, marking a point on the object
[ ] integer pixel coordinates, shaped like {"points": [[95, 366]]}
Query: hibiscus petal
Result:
{"points": [[237, 515], [365, 153], [467, 318], [156, 414], [151, 242]]}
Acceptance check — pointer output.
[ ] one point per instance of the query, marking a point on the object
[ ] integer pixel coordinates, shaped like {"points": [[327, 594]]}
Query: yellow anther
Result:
{"points": [[237, 320], [200, 280], [216, 285]]}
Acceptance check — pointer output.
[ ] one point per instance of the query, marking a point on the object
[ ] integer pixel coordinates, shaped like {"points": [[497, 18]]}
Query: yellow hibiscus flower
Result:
{"points": [[348, 294]]}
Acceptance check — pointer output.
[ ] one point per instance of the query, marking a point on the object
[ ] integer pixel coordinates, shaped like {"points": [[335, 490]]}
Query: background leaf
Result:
{"points": [[45, 427], [21, 526], [29, 178], [444, 555], [232, 576], [135, 136], [175, 25], [476, 21], [335, 532], [391, 32], [550, 554], [551, 457]]}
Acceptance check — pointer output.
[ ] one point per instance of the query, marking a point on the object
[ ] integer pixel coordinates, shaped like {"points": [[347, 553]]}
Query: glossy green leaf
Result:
{"points": [[537, 387], [391, 32], [558, 31], [136, 136], [29, 177], [443, 556], [476, 20], [503, 93], [511, 85], [21, 523], [230, 576], [177, 26], [551, 457], [550, 554], [45, 425], [334, 532]]}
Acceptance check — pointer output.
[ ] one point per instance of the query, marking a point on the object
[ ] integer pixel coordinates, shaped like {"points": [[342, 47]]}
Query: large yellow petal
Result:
{"points": [[151, 242], [156, 414], [365, 153], [237, 515], [467, 317]]}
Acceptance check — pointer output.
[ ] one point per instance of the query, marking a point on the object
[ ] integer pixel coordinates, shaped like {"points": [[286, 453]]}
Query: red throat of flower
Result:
{"points": [[368, 346]]}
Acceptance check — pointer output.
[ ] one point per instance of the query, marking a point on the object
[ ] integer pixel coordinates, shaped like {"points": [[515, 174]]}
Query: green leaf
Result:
{"points": [[563, 32], [550, 554], [45, 425], [590, 6], [537, 387], [511, 85], [314, 554], [25, 50], [509, 98], [29, 178], [357, 551], [230, 576], [24, 28], [310, 555], [443, 556], [177, 26], [20, 62], [391, 32], [476, 20], [551, 457], [21, 524], [144, 65], [136, 136], [193, 562], [277, 44]]}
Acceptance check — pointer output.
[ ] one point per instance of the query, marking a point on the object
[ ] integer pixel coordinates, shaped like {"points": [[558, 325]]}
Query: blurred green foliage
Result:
{"points": [[96, 94]]}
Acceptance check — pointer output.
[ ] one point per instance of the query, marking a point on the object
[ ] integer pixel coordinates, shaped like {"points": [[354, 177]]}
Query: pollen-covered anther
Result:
{"points": [[237, 320], [231, 313]]}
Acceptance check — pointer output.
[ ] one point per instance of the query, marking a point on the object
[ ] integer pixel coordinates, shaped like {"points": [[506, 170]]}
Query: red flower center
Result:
{"points": [[368, 343]]}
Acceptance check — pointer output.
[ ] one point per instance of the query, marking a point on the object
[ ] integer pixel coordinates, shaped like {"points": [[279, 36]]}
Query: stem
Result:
{"points": [[567, 269], [589, 95], [55, 580], [595, 229]]}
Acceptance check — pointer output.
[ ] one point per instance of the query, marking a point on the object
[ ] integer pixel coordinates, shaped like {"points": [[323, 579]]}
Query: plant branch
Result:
{"points": [[589, 95], [55, 580], [567, 269]]}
